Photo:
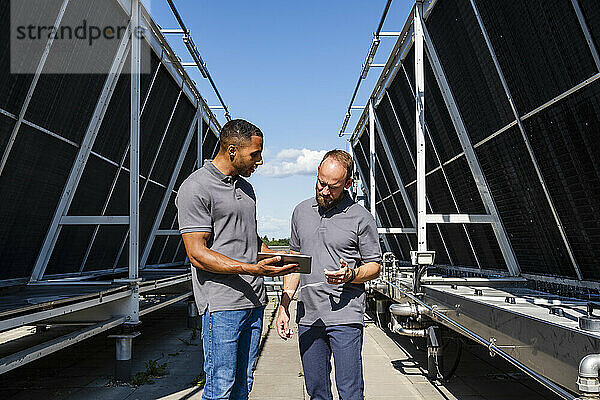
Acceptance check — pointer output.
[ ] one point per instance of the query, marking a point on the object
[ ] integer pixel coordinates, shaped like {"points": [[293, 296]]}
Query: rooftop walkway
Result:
{"points": [[391, 364]]}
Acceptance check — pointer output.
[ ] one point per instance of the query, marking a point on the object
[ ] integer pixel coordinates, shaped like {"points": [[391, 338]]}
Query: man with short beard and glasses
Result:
{"points": [[341, 236], [217, 220]]}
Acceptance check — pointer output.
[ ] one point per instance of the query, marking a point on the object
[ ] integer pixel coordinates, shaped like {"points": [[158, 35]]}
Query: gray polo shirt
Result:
{"points": [[225, 206], [345, 231]]}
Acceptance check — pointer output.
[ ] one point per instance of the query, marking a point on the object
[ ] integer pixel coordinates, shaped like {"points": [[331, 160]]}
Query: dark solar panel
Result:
{"points": [[523, 206], [105, 247], [438, 194], [591, 15], [463, 187], [434, 242], [382, 160], [404, 215], [172, 145], [362, 162], [565, 141], [439, 124], [93, 190], [181, 254], [540, 47], [170, 249], [113, 136], [70, 249], [64, 103], [486, 246], [14, 87], [156, 116], [30, 187], [6, 126], [470, 73], [190, 161]]}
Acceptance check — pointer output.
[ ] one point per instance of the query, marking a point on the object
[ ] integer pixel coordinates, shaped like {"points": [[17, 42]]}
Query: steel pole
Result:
{"points": [[420, 128], [372, 158]]}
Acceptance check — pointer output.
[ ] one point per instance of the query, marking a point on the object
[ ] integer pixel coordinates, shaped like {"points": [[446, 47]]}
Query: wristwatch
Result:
{"points": [[352, 275]]}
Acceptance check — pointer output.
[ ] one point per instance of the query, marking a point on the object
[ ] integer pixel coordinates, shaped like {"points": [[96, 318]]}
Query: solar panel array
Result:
{"points": [[45, 147], [553, 78]]}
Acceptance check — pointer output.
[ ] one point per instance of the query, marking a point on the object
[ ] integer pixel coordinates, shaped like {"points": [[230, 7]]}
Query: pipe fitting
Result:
{"points": [[406, 310], [588, 380], [395, 327]]}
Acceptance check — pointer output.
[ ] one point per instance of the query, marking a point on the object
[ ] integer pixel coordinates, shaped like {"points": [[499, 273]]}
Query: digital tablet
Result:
{"points": [[303, 261]]}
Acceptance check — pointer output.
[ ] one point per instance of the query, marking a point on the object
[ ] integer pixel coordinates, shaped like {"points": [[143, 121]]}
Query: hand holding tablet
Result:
{"points": [[304, 262]]}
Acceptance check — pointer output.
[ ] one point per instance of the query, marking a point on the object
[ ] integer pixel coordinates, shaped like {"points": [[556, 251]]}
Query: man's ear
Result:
{"points": [[231, 151], [348, 183]]}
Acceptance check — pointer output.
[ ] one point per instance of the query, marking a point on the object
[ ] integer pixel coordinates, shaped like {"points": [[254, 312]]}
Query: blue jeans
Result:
{"points": [[230, 340], [317, 343]]}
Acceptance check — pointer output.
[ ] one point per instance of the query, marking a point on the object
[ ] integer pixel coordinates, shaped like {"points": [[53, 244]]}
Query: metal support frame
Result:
{"points": [[396, 173], [134, 139], [395, 204], [94, 220], [362, 177], [441, 167], [527, 143], [482, 187], [586, 33], [200, 139], [26, 356], [412, 231], [201, 155], [459, 219], [401, 186], [420, 127], [32, 86], [133, 305], [191, 47], [116, 178], [372, 157], [81, 158], [152, 165], [170, 186]]}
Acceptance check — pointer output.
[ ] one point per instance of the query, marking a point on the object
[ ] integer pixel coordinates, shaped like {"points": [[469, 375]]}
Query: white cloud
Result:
{"points": [[277, 228], [290, 162]]}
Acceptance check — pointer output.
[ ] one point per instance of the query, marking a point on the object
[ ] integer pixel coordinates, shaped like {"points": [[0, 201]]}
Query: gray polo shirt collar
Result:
{"points": [[342, 206], [216, 172]]}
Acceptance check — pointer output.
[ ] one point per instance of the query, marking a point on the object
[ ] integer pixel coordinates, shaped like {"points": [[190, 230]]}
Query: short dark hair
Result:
{"points": [[342, 157], [237, 132]]}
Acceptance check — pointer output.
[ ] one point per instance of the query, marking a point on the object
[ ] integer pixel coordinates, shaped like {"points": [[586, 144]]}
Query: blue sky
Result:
{"points": [[290, 68]]}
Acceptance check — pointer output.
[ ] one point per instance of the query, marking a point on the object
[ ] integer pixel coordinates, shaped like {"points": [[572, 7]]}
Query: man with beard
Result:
{"points": [[217, 220], [341, 236]]}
